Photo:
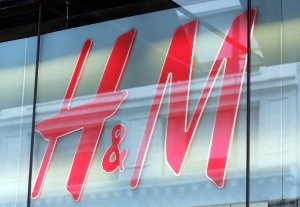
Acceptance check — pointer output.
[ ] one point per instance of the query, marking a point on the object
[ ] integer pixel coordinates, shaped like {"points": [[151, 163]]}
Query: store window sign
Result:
{"points": [[176, 70]]}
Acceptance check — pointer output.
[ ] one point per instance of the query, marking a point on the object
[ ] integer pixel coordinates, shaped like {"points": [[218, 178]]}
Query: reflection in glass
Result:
{"points": [[201, 33], [274, 91], [17, 78]]}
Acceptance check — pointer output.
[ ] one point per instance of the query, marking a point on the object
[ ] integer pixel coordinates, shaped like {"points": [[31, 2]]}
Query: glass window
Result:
{"points": [[112, 128], [17, 65], [274, 94]]}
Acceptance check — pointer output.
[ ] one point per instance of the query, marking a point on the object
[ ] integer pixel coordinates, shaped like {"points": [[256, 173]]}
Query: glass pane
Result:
{"points": [[275, 117], [17, 65], [284, 203], [112, 127]]}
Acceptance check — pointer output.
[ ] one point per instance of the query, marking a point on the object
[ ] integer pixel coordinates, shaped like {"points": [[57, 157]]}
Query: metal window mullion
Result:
{"points": [[34, 105]]}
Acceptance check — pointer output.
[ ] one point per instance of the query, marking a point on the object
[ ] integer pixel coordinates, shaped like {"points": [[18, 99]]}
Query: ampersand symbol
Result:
{"points": [[113, 159]]}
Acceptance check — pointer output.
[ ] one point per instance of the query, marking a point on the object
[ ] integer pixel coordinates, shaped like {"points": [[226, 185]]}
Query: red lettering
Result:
{"points": [[177, 69], [89, 117], [113, 159]]}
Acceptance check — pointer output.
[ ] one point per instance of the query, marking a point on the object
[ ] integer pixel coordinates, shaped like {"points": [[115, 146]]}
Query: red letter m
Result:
{"points": [[178, 69]]}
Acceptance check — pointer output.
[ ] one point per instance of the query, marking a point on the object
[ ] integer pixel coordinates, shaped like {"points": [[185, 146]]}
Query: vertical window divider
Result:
{"points": [[34, 105], [248, 104]]}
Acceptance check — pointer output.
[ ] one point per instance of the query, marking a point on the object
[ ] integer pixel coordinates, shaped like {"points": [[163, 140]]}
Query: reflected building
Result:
{"points": [[274, 106]]}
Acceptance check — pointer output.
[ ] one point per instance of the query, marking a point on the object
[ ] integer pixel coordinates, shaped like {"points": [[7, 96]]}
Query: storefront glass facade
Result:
{"points": [[152, 109]]}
